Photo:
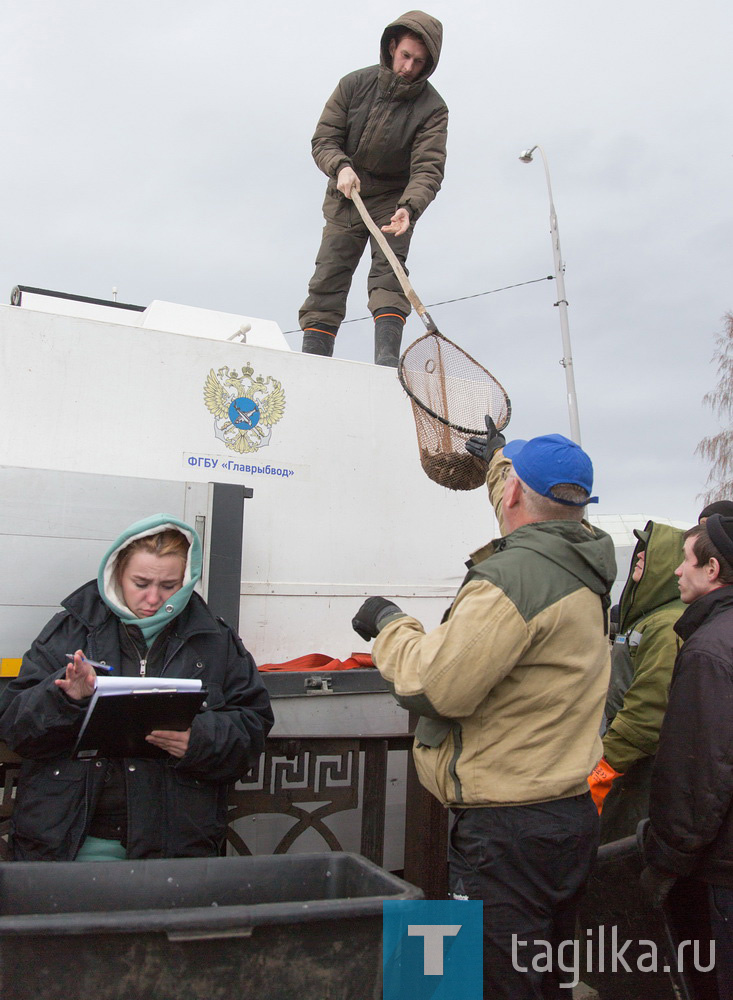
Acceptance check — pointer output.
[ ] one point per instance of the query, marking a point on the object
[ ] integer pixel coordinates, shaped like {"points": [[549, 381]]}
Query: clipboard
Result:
{"points": [[116, 724]]}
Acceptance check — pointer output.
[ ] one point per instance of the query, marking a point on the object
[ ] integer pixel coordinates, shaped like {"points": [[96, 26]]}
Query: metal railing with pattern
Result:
{"points": [[328, 772]]}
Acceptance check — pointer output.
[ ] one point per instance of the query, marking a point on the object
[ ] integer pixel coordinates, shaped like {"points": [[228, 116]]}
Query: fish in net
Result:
{"points": [[450, 393]]}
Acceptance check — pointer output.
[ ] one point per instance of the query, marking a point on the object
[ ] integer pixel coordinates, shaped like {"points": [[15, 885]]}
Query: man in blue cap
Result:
{"points": [[510, 689]]}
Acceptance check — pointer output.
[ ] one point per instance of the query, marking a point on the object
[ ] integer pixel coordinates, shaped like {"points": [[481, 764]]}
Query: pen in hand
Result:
{"points": [[93, 663]]}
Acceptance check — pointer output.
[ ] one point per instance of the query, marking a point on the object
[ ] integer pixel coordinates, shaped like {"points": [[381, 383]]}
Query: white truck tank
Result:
{"points": [[341, 508]]}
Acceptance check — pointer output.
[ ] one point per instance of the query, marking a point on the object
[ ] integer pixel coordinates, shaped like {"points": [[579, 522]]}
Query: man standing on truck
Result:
{"points": [[382, 133], [691, 804], [510, 689]]}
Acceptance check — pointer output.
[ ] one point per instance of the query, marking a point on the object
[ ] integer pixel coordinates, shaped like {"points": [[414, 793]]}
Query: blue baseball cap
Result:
{"points": [[547, 461]]}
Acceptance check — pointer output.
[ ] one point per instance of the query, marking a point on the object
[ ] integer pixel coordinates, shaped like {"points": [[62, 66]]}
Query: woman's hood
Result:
{"points": [[107, 577]]}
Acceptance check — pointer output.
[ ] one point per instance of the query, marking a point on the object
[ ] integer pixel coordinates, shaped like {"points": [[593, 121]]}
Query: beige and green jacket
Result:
{"points": [[511, 686]]}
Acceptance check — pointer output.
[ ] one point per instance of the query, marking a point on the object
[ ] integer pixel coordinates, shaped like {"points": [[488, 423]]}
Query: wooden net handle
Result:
{"points": [[396, 266]]}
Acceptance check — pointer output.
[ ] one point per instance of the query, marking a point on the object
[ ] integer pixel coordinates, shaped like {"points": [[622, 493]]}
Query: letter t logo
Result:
{"points": [[433, 944]]}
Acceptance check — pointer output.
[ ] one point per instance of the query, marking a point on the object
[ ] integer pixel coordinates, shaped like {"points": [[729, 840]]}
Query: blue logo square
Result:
{"points": [[433, 949]]}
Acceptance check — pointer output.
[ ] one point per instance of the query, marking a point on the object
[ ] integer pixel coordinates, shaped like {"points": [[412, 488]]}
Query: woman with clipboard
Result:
{"points": [[141, 616]]}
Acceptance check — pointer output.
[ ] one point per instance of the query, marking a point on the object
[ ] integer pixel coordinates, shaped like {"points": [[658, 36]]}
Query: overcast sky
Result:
{"points": [[163, 147]]}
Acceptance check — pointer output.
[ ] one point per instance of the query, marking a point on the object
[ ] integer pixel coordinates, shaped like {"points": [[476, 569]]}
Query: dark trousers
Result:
{"points": [[343, 242], [720, 901], [529, 864]]}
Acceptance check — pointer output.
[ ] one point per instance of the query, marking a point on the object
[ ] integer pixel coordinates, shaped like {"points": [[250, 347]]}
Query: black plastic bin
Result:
{"points": [[275, 927]]}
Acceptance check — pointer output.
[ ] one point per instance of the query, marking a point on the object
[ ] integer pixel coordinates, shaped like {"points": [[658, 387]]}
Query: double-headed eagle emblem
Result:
{"points": [[244, 408]]}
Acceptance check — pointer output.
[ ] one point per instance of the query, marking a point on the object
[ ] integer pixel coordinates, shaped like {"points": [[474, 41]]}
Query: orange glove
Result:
{"points": [[601, 778]]}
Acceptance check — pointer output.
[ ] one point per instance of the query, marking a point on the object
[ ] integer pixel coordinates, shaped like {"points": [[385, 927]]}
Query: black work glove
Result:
{"points": [[366, 620], [484, 447], [656, 885]]}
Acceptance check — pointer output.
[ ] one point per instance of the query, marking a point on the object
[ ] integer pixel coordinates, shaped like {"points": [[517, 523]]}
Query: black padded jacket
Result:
{"points": [[175, 807], [691, 807]]}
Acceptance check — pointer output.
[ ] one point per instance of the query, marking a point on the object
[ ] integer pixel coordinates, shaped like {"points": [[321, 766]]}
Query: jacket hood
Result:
{"points": [[107, 578], [430, 30], [658, 585], [584, 551]]}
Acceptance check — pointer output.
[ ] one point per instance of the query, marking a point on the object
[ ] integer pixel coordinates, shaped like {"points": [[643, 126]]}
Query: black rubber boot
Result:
{"points": [[387, 339], [318, 342]]}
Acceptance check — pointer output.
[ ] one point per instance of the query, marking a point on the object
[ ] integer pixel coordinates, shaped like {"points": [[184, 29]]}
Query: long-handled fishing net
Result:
{"points": [[450, 391]]}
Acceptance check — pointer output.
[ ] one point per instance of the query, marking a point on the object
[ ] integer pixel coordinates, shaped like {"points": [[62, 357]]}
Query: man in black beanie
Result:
{"points": [[691, 807]]}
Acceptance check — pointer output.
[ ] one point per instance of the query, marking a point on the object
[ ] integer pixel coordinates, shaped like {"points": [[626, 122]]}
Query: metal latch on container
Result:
{"points": [[318, 685]]}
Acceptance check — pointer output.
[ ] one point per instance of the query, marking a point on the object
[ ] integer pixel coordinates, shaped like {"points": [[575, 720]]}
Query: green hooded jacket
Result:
{"points": [[646, 641], [391, 131]]}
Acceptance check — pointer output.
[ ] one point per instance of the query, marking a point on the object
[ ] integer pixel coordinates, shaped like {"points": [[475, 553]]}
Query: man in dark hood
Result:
{"points": [[382, 133]]}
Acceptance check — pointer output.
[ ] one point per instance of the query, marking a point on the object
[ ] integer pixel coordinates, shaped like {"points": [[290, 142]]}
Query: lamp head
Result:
{"points": [[526, 156]]}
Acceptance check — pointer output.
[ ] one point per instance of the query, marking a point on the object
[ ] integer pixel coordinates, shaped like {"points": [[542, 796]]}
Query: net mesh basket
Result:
{"points": [[450, 393]]}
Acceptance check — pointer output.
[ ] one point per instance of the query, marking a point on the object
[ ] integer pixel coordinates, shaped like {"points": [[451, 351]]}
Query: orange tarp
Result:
{"points": [[320, 661]]}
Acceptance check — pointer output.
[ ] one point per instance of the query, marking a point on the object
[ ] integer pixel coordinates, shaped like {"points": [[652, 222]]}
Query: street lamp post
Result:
{"points": [[562, 302]]}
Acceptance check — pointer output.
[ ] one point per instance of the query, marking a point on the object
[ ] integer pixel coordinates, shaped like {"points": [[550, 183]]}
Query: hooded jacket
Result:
{"points": [[511, 687], [111, 592], [691, 808], [175, 807], [391, 131], [645, 649]]}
